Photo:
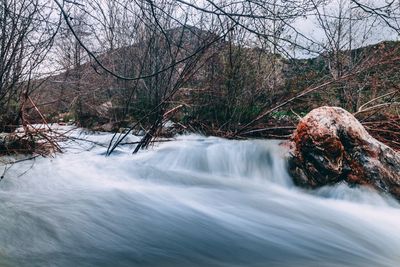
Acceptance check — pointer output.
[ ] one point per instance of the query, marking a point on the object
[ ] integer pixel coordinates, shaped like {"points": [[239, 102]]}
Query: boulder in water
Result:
{"points": [[330, 145]]}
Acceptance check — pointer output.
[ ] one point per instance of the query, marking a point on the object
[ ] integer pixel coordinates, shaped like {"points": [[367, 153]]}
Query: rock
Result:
{"points": [[330, 145], [104, 109], [3, 141], [107, 127], [14, 143]]}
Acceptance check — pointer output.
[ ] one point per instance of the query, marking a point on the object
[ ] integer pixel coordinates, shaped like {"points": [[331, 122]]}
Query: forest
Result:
{"points": [[235, 70]]}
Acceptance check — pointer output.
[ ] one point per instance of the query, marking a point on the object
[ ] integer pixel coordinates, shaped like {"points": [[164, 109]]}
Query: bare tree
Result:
{"points": [[27, 32], [149, 61]]}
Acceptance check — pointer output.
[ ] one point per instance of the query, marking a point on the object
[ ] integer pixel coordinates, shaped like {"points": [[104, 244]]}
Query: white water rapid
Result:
{"points": [[195, 201]]}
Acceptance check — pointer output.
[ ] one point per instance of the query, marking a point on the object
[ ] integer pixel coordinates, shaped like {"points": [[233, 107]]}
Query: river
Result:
{"points": [[195, 201]]}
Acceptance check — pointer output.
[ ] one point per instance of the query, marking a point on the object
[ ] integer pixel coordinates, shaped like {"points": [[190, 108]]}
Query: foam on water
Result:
{"points": [[192, 202]]}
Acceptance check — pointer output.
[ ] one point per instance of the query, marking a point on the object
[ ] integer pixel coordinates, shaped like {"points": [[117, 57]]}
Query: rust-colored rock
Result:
{"points": [[330, 145]]}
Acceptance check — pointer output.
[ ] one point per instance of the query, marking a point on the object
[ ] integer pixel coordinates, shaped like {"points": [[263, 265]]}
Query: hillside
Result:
{"points": [[230, 88]]}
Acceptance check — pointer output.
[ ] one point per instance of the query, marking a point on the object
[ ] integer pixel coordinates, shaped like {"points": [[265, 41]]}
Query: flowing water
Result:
{"points": [[192, 202]]}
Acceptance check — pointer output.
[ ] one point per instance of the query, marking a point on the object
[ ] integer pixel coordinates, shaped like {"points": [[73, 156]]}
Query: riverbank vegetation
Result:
{"points": [[232, 69]]}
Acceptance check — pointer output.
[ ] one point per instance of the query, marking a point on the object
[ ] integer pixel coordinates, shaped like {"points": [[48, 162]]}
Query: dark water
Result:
{"points": [[193, 202]]}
